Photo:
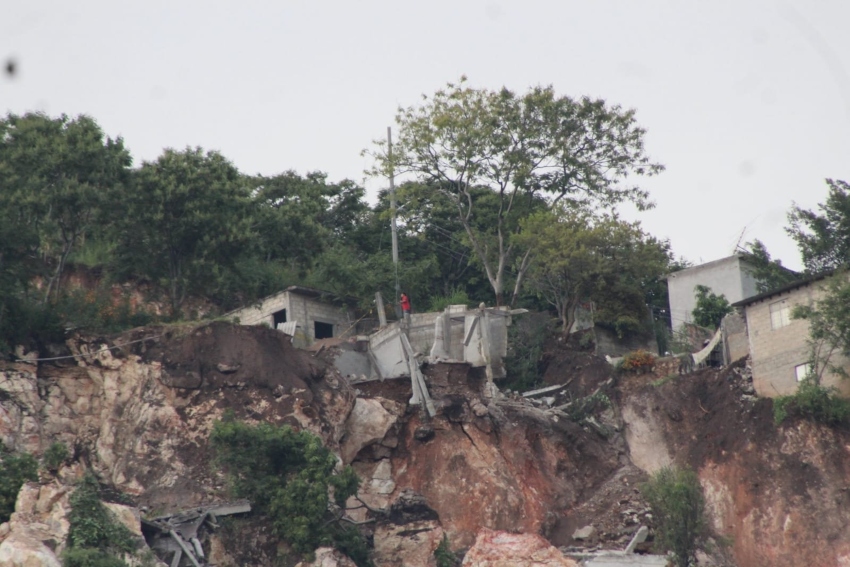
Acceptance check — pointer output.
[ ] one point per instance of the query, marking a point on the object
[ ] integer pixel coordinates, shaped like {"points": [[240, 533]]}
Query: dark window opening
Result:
{"points": [[279, 317], [323, 330]]}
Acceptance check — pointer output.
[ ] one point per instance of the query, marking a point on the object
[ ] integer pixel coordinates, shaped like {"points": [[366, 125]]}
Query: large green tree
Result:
{"points": [[769, 273], [823, 235], [585, 152], [187, 220], [604, 259], [56, 174]]}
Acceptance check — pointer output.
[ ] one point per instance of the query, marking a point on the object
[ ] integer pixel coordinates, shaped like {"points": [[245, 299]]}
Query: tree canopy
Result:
{"points": [[602, 259], [520, 148], [823, 236]]}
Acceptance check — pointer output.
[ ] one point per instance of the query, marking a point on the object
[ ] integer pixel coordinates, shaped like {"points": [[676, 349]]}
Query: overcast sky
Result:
{"points": [[747, 102]]}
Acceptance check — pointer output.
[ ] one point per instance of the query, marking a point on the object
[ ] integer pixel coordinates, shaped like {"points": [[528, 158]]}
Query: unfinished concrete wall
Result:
{"points": [[302, 309], [780, 348], [728, 276], [736, 343]]}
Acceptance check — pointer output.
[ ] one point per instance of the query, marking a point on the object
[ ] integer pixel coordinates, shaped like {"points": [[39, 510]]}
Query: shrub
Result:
{"points": [[15, 470], [95, 537], [287, 476], [54, 456], [444, 555], [639, 360], [678, 507], [456, 297], [523, 363], [813, 401]]}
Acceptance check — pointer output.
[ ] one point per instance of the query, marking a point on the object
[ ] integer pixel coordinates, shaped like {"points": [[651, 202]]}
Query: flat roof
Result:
{"points": [[784, 289]]}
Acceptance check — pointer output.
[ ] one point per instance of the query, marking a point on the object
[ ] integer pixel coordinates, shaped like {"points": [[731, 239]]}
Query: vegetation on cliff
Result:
{"points": [[287, 476]]}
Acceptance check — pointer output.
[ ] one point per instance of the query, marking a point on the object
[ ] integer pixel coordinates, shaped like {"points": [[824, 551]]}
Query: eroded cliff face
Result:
{"points": [[140, 415], [779, 493]]}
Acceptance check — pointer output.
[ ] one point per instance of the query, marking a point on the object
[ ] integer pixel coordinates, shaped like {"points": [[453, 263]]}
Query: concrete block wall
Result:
{"points": [[261, 313], [777, 352], [728, 276], [736, 343]]}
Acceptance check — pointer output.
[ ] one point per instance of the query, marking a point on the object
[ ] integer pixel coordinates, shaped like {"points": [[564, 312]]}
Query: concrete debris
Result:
{"points": [[179, 535], [585, 533]]}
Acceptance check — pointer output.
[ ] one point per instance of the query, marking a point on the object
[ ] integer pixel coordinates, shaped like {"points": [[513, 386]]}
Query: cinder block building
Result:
{"points": [[730, 276], [303, 312], [778, 344]]}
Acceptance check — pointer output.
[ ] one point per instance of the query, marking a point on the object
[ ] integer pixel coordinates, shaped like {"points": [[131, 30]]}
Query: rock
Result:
{"points": [[128, 516], [328, 557], [479, 409], [368, 423], [410, 506], [21, 549], [424, 433], [585, 533], [227, 368], [503, 549], [410, 544]]}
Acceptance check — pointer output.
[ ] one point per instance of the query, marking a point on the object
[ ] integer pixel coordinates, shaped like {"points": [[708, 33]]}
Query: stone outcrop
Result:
{"points": [[503, 549], [327, 557]]}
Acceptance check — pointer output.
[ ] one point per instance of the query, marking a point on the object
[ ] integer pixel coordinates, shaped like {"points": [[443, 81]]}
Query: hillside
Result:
{"points": [[139, 417]]}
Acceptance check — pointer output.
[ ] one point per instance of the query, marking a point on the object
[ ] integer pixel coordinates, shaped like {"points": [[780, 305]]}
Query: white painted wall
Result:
{"points": [[728, 276]]}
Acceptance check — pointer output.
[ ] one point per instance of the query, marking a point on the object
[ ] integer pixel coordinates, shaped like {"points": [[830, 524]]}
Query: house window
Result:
{"points": [[780, 314], [323, 330], [802, 371]]}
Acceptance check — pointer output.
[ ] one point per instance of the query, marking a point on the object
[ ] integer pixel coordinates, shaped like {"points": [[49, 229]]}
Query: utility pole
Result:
{"points": [[393, 211]]}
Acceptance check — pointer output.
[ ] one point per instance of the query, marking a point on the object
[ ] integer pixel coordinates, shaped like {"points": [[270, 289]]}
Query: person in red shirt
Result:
{"points": [[405, 304]]}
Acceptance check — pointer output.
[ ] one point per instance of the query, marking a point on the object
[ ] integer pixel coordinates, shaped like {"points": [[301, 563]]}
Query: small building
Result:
{"points": [[778, 344], [305, 313], [731, 277]]}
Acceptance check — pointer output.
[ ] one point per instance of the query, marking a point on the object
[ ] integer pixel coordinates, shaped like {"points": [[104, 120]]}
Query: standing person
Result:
{"points": [[405, 305]]}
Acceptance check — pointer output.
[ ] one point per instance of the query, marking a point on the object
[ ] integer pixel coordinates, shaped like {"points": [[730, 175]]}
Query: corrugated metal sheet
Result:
{"points": [[288, 327]]}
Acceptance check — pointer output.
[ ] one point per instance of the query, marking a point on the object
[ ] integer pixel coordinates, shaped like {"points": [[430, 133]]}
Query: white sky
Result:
{"points": [[747, 102]]}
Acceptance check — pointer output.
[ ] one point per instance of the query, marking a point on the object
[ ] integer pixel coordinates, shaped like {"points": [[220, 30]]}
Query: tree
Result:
{"points": [[824, 238], [678, 508], [769, 274], [829, 325], [604, 259], [57, 173], [519, 147], [287, 476], [711, 308], [187, 220]]}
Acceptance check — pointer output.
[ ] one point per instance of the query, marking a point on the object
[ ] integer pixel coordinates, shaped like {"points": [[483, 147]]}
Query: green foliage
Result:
{"points": [[582, 408], [97, 311], [521, 148], [523, 363], [678, 508], [813, 401], [711, 308], [15, 470], [94, 534], [184, 222], [286, 475], [769, 274], [823, 237], [829, 325], [54, 456], [580, 258], [444, 555], [456, 297]]}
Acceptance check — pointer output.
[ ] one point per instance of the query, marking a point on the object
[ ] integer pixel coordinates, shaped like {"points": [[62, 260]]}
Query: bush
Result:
{"points": [[95, 537], [523, 363], [456, 297], [813, 401], [15, 470], [444, 555], [54, 456], [287, 476], [678, 507], [639, 361], [96, 310]]}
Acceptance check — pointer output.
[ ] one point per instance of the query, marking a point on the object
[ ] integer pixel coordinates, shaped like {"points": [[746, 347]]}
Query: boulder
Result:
{"points": [[328, 557], [368, 423], [503, 549]]}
